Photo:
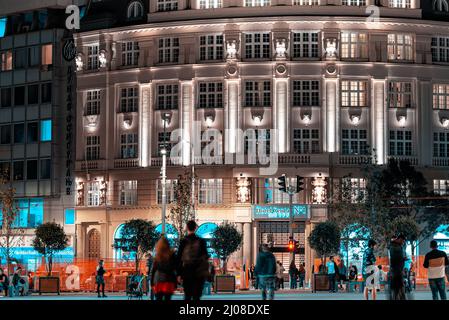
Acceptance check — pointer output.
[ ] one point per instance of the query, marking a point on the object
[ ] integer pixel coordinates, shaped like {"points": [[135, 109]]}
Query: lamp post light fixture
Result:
{"points": [[355, 120], [445, 122], [209, 121], [402, 120], [257, 120], [306, 118]]}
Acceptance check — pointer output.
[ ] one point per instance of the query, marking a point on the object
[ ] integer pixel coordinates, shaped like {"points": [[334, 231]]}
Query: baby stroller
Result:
{"points": [[135, 287]]}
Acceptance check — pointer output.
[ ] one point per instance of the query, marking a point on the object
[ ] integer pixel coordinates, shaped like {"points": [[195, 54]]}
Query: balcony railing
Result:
{"points": [[440, 162], [126, 163], [412, 160], [354, 159], [90, 165]]}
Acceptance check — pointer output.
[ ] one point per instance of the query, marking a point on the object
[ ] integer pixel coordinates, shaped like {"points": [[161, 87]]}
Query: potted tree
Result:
{"points": [[50, 238], [325, 240], [225, 241], [138, 237]]}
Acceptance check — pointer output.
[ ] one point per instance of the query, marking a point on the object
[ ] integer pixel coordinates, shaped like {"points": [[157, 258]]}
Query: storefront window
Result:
{"points": [[170, 231], [206, 231], [442, 237], [30, 213], [119, 254], [354, 241]]}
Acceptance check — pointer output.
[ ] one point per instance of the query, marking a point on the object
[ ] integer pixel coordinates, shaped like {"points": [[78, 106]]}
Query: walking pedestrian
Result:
{"points": [[266, 272], [192, 263], [4, 282], [251, 276], [280, 274], [148, 269], [342, 274], [436, 261], [17, 282], [293, 274], [99, 278], [302, 275], [163, 276], [397, 262], [331, 273], [369, 271]]}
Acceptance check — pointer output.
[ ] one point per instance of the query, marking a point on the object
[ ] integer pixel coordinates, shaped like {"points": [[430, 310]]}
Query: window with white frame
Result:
{"points": [[306, 141], [128, 192], [257, 3], [167, 96], [354, 93], [257, 93], [306, 93], [273, 195], [92, 147], [441, 144], [400, 47], [354, 45], [210, 95], [306, 2], [399, 3], [441, 5], [400, 143], [305, 45], [354, 2], [93, 193], [354, 189], [163, 140], [400, 94], [211, 47], [130, 53], [441, 187], [210, 4], [257, 139], [129, 99], [168, 50], [440, 49], [129, 144], [211, 191], [92, 102], [441, 96], [92, 57], [257, 45], [170, 185], [167, 5], [354, 142], [135, 10]]}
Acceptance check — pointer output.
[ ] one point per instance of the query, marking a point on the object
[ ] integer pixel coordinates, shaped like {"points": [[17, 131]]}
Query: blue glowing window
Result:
{"points": [[69, 215], [2, 27], [46, 130]]}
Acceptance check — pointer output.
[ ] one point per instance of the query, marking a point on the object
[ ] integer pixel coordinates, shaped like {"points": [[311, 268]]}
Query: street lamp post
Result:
{"points": [[164, 176]]}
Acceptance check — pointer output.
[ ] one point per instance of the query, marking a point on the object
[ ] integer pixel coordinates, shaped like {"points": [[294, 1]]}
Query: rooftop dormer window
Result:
{"points": [[135, 10]]}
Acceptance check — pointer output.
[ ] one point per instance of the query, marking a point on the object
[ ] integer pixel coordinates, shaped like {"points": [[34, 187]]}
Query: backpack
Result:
{"points": [[192, 259]]}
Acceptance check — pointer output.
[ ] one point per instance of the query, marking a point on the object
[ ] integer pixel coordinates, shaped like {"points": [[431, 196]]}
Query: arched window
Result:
{"points": [[119, 254], [135, 10], [170, 232], [441, 5], [206, 231]]}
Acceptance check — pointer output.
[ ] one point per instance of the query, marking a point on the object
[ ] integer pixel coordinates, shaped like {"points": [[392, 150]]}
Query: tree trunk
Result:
{"points": [[50, 264], [225, 264], [137, 263]]}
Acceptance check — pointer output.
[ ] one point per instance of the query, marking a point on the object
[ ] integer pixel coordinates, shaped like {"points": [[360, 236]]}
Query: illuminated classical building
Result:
{"points": [[333, 78]]}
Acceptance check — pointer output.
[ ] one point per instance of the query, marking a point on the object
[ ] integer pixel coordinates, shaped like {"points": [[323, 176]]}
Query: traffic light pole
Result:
{"points": [[290, 207]]}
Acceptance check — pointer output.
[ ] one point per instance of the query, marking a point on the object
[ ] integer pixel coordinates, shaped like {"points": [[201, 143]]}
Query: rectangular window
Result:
{"points": [[163, 140], [6, 97], [354, 142], [441, 187], [128, 192], [167, 5], [210, 95], [440, 49], [170, 185], [33, 94], [92, 147], [19, 96], [129, 144], [354, 189], [31, 169], [129, 99], [45, 169], [47, 55], [6, 60], [19, 133], [256, 140], [46, 92], [441, 144], [92, 57], [18, 170], [306, 93], [257, 3], [69, 216], [32, 132], [306, 141], [273, 195], [257, 93], [5, 173], [30, 213], [167, 96], [92, 102], [399, 3], [400, 143], [441, 96], [168, 50], [5, 134], [400, 47], [130, 53], [211, 47], [306, 2], [400, 94], [257, 45], [305, 45], [211, 191], [46, 129], [210, 4], [354, 93], [20, 58], [354, 2], [93, 193], [34, 56], [354, 45]]}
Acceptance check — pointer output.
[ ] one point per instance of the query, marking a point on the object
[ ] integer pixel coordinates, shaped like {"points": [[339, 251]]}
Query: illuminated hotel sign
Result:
{"points": [[279, 211]]}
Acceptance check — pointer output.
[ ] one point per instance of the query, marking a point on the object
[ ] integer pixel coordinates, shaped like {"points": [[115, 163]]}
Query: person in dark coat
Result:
{"points": [[163, 271], [266, 272], [99, 278], [397, 262], [293, 273]]}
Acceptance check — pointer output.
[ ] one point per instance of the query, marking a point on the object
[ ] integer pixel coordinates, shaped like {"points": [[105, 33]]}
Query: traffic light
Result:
{"points": [[299, 184], [282, 183], [291, 245]]}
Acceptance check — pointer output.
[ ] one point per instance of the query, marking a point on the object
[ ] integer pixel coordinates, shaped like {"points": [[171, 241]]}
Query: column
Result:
{"points": [[104, 240], [424, 123], [280, 114], [240, 251], [331, 115], [144, 125], [231, 120], [247, 243], [80, 240], [186, 118], [379, 125]]}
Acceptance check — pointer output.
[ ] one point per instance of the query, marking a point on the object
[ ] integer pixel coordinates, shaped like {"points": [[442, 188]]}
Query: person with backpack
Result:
{"points": [[192, 263], [4, 282], [99, 278], [293, 273], [266, 272], [436, 262], [163, 277], [302, 275], [369, 270], [397, 262]]}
